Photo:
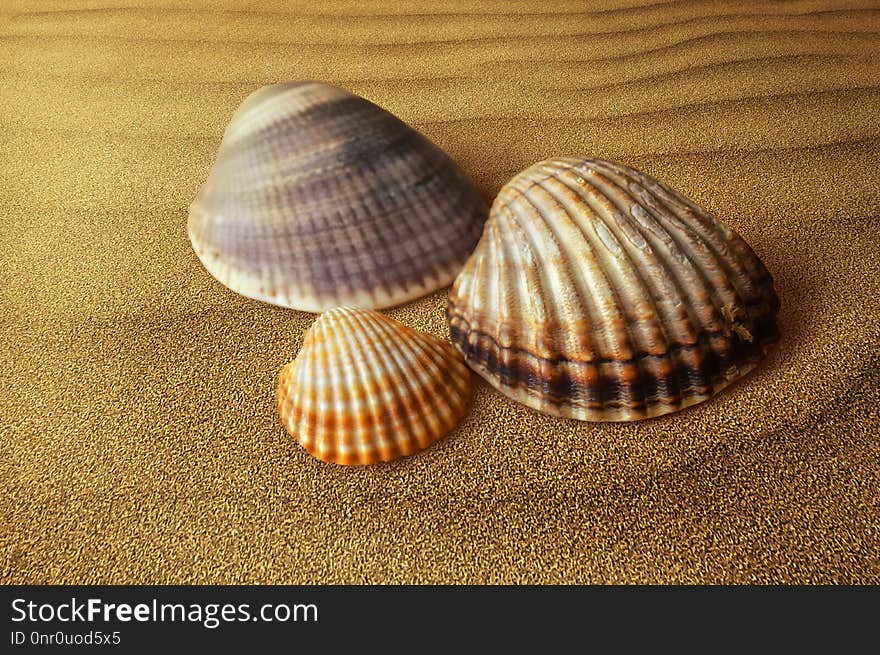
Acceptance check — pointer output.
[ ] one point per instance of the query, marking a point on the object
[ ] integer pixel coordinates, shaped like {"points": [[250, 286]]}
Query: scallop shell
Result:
{"points": [[599, 293], [319, 198], [365, 388]]}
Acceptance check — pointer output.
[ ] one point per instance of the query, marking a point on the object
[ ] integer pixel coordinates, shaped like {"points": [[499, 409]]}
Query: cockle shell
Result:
{"points": [[599, 293], [319, 198], [365, 388]]}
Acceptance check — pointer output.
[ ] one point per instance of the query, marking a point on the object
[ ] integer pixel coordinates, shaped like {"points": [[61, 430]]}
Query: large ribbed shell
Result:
{"points": [[365, 388], [319, 198], [599, 293]]}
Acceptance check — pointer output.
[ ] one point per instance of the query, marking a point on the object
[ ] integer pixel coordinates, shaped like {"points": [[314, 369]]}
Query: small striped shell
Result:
{"points": [[365, 388], [319, 198], [599, 293]]}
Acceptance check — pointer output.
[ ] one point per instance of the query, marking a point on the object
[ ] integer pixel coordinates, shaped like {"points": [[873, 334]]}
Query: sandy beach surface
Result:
{"points": [[138, 436]]}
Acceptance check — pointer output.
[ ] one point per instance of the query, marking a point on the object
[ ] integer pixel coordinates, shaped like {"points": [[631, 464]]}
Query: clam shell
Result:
{"points": [[319, 198], [365, 388], [599, 293]]}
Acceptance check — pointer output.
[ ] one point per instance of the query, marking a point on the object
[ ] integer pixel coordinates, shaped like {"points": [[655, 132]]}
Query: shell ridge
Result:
{"points": [[721, 252], [353, 274], [428, 224], [532, 285], [539, 238], [433, 360], [352, 280], [709, 230], [451, 367], [666, 286], [459, 372], [468, 290], [514, 304], [601, 342], [496, 272], [317, 358], [461, 200], [753, 263], [342, 396], [701, 342], [288, 115], [473, 299], [431, 229], [259, 121], [451, 360], [520, 292], [669, 276], [628, 286], [453, 383], [691, 371], [537, 173], [357, 209], [310, 159], [584, 274], [371, 365], [636, 260], [430, 423], [686, 281], [407, 390], [427, 217], [696, 250], [358, 267], [465, 203], [729, 295], [463, 283], [417, 424], [624, 346], [373, 154], [362, 440]]}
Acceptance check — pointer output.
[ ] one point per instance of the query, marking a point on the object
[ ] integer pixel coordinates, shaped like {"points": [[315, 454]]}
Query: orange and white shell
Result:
{"points": [[599, 293], [365, 388]]}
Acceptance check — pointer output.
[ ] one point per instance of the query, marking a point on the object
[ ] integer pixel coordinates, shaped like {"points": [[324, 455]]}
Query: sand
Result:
{"points": [[138, 435]]}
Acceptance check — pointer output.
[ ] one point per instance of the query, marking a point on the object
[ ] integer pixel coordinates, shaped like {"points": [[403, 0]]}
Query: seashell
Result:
{"points": [[598, 293], [319, 198], [365, 388]]}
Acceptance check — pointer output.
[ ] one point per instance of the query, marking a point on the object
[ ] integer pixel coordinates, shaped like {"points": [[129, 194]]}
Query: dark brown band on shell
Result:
{"points": [[698, 371]]}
